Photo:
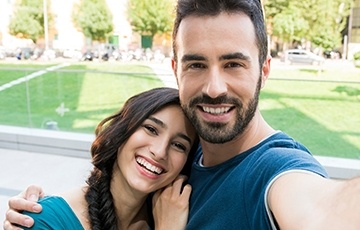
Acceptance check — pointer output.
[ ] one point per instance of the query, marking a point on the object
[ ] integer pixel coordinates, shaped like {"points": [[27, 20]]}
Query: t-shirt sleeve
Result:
{"points": [[56, 214]]}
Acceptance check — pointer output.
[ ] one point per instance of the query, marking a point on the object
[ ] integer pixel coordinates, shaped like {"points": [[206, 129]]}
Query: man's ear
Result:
{"points": [[174, 68], [173, 65], [265, 70]]}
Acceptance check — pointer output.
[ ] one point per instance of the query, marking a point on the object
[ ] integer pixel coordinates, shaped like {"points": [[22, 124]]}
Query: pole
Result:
{"points": [[46, 26]]}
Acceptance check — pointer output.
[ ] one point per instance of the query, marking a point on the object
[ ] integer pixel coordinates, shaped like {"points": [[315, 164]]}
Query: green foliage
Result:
{"points": [[28, 19], [150, 17], [93, 18], [290, 25], [318, 21], [357, 56]]}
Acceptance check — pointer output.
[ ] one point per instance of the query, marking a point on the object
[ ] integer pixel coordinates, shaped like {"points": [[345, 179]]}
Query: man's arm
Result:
{"points": [[26, 200], [308, 201]]}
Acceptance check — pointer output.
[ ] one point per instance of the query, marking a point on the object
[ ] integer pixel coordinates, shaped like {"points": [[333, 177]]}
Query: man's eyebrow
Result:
{"points": [[230, 56], [236, 55], [192, 57]]}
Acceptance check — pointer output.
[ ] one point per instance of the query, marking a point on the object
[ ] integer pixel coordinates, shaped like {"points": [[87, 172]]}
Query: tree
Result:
{"points": [[318, 21], [290, 26], [151, 17], [93, 18], [28, 19], [331, 21]]}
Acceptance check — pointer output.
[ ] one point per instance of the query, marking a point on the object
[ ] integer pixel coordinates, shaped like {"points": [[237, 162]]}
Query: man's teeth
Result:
{"points": [[149, 166], [216, 110]]}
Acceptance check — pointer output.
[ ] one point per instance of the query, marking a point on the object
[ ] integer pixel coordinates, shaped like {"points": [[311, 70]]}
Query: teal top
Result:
{"points": [[56, 215]]}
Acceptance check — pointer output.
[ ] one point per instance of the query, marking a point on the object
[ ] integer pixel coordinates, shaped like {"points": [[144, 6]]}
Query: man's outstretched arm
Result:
{"points": [[308, 201], [26, 200]]}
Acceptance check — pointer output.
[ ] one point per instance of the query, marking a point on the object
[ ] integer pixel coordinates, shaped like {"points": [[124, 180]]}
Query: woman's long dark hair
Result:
{"points": [[111, 133]]}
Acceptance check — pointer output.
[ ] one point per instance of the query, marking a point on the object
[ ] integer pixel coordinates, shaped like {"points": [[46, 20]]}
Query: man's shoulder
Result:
{"points": [[281, 141]]}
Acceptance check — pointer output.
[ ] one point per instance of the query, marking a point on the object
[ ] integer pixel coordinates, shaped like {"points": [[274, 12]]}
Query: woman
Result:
{"points": [[137, 151]]}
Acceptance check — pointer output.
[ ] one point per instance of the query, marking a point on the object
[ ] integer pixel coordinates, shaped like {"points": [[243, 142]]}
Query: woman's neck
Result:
{"points": [[130, 206], [131, 210]]}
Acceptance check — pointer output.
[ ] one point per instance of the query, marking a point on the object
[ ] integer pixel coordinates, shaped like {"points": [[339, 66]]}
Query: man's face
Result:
{"points": [[218, 74]]}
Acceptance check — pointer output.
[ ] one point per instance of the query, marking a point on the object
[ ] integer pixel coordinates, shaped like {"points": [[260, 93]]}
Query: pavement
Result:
{"points": [[55, 173]]}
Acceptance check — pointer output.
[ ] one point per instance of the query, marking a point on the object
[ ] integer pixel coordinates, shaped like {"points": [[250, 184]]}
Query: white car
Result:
{"points": [[302, 56], [72, 53]]}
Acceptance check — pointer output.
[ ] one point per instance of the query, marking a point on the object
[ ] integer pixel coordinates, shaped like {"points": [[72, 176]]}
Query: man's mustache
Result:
{"points": [[204, 99]]}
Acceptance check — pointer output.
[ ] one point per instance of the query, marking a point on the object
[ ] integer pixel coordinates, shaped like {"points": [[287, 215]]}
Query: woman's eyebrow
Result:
{"points": [[185, 137], [163, 125], [157, 121]]}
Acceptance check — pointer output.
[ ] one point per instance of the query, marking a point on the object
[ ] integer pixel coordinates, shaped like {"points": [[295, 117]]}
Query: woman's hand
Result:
{"points": [[26, 200], [171, 205]]}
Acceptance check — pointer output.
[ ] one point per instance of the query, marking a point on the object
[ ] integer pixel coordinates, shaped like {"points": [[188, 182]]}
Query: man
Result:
{"points": [[248, 175]]}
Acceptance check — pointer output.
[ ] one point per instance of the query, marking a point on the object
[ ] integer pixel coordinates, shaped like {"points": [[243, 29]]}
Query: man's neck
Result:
{"points": [[257, 131]]}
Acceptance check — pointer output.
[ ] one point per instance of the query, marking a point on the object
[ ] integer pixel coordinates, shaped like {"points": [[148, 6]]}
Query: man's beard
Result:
{"points": [[217, 132]]}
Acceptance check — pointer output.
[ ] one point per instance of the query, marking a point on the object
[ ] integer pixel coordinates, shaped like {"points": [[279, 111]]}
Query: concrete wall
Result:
{"points": [[46, 141]]}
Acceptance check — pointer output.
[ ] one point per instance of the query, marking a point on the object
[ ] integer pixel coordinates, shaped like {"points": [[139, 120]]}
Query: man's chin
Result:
{"points": [[216, 135]]}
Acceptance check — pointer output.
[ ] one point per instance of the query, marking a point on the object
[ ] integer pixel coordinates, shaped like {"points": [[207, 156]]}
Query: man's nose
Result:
{"points": [[216, 85]]}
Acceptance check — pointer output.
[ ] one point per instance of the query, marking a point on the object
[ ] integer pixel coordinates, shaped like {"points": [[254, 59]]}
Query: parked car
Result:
{"points": [[302, 57], [332, 54], [88, 56], [72, 53]]}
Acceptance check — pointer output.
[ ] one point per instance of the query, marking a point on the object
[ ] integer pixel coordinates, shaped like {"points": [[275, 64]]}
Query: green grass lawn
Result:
{"points": [[89, 93], [319, 109], [315, 113]]}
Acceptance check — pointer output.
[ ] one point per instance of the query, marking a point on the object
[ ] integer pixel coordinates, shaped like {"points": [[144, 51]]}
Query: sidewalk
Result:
{"points": [[54, 173], [164, 72]]}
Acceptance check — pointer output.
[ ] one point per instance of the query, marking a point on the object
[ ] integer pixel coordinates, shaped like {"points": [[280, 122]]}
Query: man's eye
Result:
{"points": [[197, 66], [233, 64]]}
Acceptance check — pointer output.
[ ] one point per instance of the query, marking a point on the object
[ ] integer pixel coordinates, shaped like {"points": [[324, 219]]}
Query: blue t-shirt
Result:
{"points": [[56, 214], [231, 195]]}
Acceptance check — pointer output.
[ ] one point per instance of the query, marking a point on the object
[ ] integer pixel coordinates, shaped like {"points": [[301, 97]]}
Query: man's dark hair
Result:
{"points": [[251, 8]]}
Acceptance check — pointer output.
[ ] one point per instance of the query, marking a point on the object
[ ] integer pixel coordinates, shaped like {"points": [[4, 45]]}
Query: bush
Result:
{"points": [[357, 55]]}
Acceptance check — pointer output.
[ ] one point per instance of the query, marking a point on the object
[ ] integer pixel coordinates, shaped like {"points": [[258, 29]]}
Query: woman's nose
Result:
{"points": [[159, 149]]}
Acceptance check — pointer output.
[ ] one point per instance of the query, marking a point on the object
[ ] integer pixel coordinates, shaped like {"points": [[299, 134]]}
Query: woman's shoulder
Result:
{"points": [[56, 214]]}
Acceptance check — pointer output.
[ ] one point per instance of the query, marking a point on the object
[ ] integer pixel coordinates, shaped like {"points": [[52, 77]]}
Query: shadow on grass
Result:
{"points": [[348, 90], [315, 136], [314, 70]]}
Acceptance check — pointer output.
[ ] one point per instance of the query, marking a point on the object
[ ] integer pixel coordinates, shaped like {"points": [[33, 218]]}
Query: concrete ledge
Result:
{"points": [[46, 141], [78, 145], [340, 168]]}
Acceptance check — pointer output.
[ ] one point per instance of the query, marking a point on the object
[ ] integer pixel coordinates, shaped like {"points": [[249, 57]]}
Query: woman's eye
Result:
{"points": [[180, 146], [150, 129]]}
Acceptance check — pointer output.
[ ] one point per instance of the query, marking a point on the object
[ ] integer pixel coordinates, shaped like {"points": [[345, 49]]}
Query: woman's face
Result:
{"points": [[156, 152]]}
